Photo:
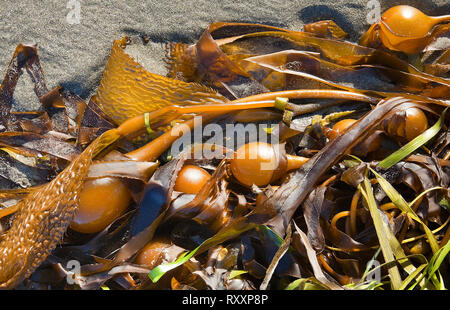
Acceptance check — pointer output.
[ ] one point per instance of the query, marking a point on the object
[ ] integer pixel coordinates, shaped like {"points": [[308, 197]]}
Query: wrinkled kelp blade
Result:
{"points": [[325, 29], [127, 89], [339, 52], [236, 39], [41, 143], [312, 257], [300, 69], [44, 216]]}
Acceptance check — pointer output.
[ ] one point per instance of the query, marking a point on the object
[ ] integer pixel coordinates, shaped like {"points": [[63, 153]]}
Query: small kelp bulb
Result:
{"points": [[402, 125], [262, 163], [101, 202], [339, 128], [190, 179], [371, 143], [406, 125], [159, 250], [153, 253]]}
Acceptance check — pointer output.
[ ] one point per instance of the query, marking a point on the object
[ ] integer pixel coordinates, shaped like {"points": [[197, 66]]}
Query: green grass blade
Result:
{"points": [[396, 246], [371, 286], [382, 231], [293, 285], [236, 273], [157, 272], [400, 202], [272, 235], [412, 276], [437, 260], [369, 264], [413, 145], [306, 284]]}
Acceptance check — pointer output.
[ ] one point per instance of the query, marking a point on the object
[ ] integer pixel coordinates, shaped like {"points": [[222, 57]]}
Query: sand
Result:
{"points": [[74, 55]]}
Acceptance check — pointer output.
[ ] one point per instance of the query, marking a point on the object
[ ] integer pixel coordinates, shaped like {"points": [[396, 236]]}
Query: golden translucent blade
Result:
{"points": [[43, 217], [324, 29], [127, 89]]}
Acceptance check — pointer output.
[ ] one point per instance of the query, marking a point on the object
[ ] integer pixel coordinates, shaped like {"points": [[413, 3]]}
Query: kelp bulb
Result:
{"points": [[101, 202], [406, 29], [262, 163], [416, 123], [190, 179], [153, 253], [407, 21], [371, 143], [339, 128], [402, 125], [407, 124]]}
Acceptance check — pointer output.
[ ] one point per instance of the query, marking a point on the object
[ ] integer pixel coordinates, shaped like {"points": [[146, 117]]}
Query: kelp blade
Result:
{"points": [[128, 90], [43, 217]]}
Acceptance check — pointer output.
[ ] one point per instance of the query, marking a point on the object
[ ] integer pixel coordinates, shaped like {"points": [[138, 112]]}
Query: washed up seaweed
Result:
{"points": [[112, 193]]}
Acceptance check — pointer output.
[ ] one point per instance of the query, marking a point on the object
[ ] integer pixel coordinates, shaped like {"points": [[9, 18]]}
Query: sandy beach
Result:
{"points": [[73, 54]]}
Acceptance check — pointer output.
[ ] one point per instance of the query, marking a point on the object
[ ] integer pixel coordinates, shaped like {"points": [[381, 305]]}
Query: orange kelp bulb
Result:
{"points": [[406, 125], [371, 143], [101, 202], [190, 179], [339, 128], [407, 29], [416, 123], [158, 251], [153, 253], [262, 163], [407, 21]]}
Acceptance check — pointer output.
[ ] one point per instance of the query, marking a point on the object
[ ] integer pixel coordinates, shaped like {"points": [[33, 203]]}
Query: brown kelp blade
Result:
{"points": [[38, 139], [25, 56], [65, 108], [299, 69], [43, 217], [128, 90], [237, 41], [41, 143]]}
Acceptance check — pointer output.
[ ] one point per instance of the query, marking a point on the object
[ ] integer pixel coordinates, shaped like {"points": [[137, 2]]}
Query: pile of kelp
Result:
{"points": [[103, 203]]}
